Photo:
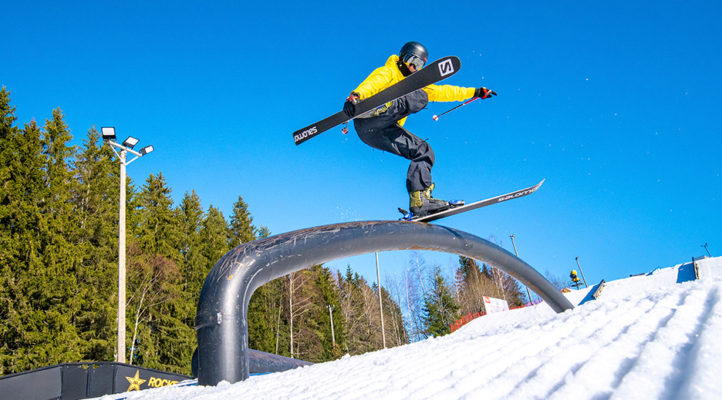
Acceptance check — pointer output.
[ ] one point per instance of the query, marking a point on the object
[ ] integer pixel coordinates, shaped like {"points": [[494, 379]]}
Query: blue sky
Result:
{"points": [[615, 103]]}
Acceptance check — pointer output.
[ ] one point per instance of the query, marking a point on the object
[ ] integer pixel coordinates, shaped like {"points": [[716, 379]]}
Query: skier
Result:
{"points": [[575, 279], [383, 129]]}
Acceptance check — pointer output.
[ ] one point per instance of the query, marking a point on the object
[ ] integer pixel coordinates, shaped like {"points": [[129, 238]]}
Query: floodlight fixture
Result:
{"points": [[130, 142], [147, 149], [108, 132]]}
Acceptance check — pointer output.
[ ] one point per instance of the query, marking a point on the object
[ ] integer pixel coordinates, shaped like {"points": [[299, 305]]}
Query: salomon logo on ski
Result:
{"points": [[308, 132], [446, 67]]}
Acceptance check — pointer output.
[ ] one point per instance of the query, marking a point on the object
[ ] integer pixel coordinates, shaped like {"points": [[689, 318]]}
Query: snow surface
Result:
{"points": [[653, 336]]}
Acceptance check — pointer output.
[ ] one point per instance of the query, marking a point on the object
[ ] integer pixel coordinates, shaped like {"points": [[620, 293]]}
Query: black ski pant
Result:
{"points": [[383, 132]]}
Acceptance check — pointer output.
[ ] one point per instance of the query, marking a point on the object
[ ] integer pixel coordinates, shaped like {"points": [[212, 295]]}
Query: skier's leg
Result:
{"points": [[421, 155], [384, 133], [418, 177], [395, 139], [401, 142]]}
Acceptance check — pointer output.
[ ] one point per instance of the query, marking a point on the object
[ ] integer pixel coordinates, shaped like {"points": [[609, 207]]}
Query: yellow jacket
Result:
{"points": [[389, 74]]}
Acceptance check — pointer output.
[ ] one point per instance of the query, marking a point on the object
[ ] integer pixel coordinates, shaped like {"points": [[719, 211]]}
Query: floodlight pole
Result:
{"points": [[381, 305], [122, 156], [121, 261], [528, 293], [330, 315]]}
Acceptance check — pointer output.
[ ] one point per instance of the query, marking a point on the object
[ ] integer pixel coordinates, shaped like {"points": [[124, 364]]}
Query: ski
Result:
{"points": [[453, 210], [432, 73]]}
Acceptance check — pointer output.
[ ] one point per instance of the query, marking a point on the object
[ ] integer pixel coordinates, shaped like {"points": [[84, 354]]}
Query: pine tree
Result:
{"points": [[191, 215], [7, 133], [16, 211], [195, 265], [96, 203], [40, 298], [157, 233], [7, 115], [8, 161], [266, 301], [440, 308], [264, 317], [214, 236], [160, 337], [266, 327], [263, 232], [330, 297], [242, 229], [61, 258]]}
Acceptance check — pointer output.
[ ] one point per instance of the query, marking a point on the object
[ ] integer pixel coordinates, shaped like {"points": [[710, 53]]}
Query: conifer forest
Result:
{"points": [[59, 268]]}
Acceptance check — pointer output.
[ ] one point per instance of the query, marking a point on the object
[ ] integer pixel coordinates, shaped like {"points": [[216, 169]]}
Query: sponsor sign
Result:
{"points": [[493, 305]]}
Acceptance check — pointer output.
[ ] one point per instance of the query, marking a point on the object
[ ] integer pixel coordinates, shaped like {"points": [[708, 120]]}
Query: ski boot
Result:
{"points": [[421, 203]]}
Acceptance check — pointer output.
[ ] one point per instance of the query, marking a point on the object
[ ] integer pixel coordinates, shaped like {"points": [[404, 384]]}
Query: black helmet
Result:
{"points": [[414, 53]]}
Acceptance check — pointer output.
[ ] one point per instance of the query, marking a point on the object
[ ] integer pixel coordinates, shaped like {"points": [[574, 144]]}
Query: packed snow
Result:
{"points": [[652, 336]]}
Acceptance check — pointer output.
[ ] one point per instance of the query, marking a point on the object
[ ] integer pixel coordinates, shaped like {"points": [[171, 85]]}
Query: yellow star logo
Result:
{"points": [[135, 382]]}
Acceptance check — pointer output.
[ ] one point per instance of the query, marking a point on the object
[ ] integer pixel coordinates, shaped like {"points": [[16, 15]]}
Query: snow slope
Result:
{"points": [[653, 336]]}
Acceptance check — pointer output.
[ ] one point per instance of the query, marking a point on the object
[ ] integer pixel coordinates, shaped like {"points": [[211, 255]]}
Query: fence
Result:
{"points": [[465, 319], [72, 381]]}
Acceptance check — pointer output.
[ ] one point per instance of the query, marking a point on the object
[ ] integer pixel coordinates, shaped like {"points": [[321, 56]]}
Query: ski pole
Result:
{"points": [[436, 117]]}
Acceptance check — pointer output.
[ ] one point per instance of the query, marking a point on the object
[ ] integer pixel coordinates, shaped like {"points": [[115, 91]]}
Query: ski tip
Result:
{"points": [[297, 140], [454, 60]]}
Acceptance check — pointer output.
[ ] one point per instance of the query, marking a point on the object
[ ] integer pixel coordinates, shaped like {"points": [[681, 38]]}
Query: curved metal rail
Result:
{"points": [[221, 320]]}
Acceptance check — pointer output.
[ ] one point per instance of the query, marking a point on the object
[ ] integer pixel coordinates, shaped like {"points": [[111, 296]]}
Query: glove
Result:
{"points": [[484, 93], [349, 107]]}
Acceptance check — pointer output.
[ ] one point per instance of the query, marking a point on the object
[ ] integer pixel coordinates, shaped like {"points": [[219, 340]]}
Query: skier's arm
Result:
{"points": [[456, 93], [449, 92], [380, 79]]}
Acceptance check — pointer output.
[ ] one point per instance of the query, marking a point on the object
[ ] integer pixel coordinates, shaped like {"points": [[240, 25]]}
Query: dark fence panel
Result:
{"points": [[82, 380]]}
